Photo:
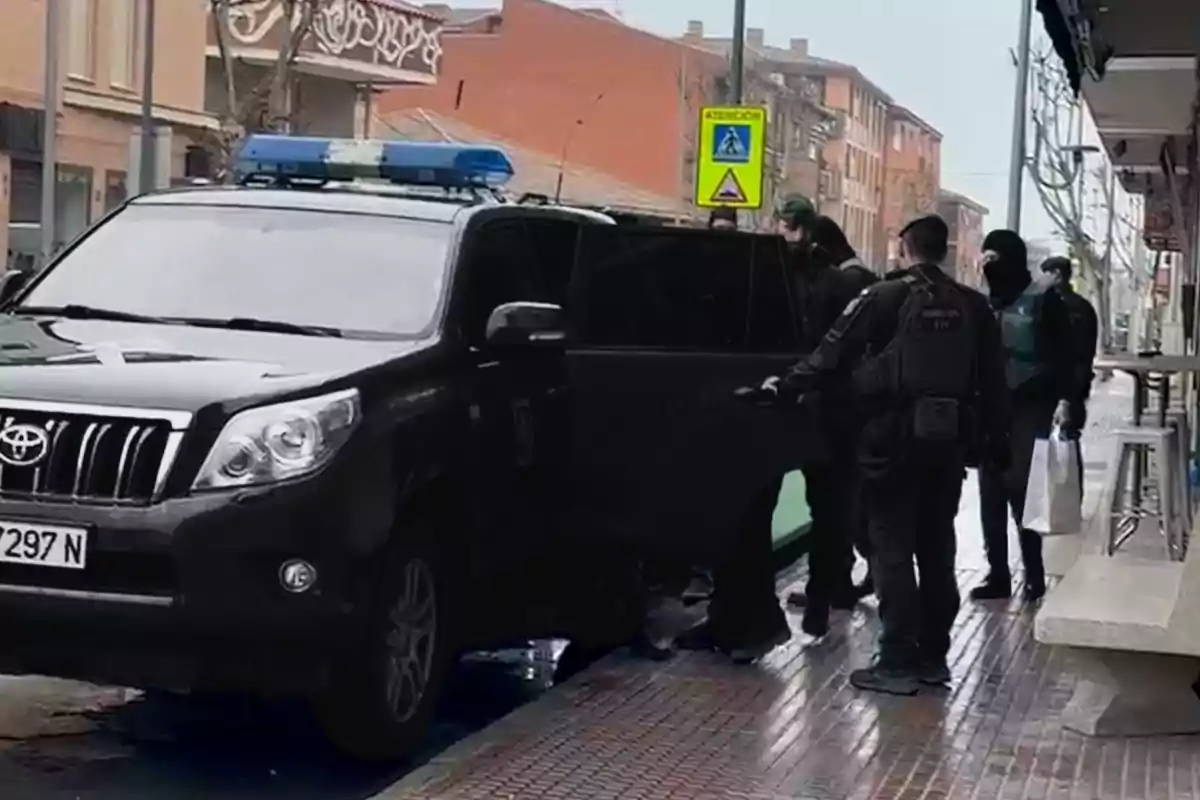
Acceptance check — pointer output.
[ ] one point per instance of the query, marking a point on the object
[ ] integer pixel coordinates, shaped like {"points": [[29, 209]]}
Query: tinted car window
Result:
{"points": [[501, 268], [554, 243], [773, 321], [663, 287], [353, 272]]}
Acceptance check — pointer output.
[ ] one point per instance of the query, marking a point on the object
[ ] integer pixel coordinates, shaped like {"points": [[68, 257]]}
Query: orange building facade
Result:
{"points": [[912, 175]]}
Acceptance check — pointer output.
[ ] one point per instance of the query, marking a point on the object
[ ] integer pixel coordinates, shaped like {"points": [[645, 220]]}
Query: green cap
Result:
{"points": [[796, 210]]}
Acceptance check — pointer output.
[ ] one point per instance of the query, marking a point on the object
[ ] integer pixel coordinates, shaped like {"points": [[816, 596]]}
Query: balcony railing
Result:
{"points": [[382, 41]]}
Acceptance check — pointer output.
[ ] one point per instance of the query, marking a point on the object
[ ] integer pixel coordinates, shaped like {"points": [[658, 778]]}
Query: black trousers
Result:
{"points": [[832, 490], [744, 609], [1002, 492], [910, 515]]}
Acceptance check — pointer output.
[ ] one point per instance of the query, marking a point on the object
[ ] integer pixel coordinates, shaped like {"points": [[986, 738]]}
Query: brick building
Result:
{"points": [[912, 166], [578, 84], [965, 218]]}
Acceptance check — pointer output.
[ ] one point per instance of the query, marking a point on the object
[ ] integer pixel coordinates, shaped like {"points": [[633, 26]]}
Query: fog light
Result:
{"points": [[297, 575]]}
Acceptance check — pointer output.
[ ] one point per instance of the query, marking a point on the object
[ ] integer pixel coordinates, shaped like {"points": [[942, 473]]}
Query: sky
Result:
{"points": [[947, 60]]}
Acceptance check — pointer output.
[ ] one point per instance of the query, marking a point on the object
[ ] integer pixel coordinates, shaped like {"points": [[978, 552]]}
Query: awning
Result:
{"points": [[1063, 39]]}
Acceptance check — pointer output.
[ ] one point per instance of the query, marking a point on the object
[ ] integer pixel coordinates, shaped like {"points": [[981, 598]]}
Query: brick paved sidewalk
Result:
{"points": [[701, 728]]}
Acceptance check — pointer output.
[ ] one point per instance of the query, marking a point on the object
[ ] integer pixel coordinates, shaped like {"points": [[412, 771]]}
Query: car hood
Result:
{"points": [[171, 367]]}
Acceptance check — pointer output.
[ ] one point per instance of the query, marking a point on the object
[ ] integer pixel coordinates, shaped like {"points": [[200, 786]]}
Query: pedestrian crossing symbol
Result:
{"points": [[731, 144], [729, 191], [730, 156]]}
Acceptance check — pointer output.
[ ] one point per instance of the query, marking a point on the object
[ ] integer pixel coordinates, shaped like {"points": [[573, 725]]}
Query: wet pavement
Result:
{"points": [[61, 740], [792, 728], [696, 727]]}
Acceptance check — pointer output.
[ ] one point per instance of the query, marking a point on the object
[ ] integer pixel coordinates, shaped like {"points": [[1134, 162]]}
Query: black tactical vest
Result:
{"points": [[929, 365]]}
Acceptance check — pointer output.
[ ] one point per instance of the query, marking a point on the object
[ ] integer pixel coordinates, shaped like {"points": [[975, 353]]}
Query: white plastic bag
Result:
{"points": [[1054, 493]]}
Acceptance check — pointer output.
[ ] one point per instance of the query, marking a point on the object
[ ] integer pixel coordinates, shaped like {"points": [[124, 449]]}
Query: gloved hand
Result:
{"points": [[1062, 415], [764, 394]]}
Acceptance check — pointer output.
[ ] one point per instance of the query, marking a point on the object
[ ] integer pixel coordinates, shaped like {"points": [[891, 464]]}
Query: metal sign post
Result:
{"points": [[146, 173]]}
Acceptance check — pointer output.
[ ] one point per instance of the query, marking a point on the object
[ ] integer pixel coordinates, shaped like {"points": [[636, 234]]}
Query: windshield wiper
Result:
{"points": [[73, 311], [263, 325]]}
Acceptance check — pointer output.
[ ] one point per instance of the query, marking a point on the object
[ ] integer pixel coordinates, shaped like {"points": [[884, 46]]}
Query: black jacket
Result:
{"points": [[1056, 341], [1085, 331], [858, 276], [870, 323], [822, 292]]}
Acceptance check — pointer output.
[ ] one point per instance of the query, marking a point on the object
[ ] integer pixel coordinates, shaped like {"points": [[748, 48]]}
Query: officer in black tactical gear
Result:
{"points": [[923, 354], [1044, 383], [823, 290], [830, 244]]}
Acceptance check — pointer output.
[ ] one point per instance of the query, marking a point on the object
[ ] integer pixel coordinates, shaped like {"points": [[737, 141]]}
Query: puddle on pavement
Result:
{"points": [[227, 744]]}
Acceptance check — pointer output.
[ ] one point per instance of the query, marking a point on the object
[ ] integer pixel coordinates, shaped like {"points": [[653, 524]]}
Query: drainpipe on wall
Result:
{"points": [[50, 131], [146, 172]]}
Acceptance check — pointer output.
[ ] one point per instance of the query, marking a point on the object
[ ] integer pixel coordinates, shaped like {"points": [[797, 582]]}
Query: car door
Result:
{"points": [[511, 392], [666, 324]]}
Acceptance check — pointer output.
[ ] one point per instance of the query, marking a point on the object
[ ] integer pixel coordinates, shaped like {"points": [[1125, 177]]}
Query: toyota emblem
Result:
{"points": [[23, 445]]}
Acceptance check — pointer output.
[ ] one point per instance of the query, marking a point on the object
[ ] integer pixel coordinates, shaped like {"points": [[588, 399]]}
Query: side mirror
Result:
{"points": [[524, 324], [12, 282]]}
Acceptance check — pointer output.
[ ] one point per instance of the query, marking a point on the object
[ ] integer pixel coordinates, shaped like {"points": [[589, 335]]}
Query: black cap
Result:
{"points": [[931, 223], [1060, 265], [723, 214]]}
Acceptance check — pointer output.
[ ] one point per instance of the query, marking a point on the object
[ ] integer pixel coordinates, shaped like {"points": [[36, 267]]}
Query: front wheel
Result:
{"points": [[380, 703]]}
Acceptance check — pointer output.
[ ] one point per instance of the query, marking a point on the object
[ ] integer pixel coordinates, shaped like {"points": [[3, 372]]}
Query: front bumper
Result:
{"points": [[185, 592]]}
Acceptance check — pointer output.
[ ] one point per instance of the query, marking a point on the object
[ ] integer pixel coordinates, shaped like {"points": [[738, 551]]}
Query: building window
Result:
{"points": [[80, 39], [115, 190], [72, 203], [122, 42]]}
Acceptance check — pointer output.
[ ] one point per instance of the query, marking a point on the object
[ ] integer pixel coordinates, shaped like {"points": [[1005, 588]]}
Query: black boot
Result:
{"points": [[1035, 586], [933, 672], [995, 587], [886, 678], [816, 620]]}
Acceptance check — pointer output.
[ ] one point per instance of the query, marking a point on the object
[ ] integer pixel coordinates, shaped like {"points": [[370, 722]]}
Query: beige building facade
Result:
{"points": [[98, 105]]}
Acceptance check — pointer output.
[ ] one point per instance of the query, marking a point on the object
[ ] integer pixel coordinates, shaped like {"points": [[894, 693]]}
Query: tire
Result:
{"points": [[380, 703]]}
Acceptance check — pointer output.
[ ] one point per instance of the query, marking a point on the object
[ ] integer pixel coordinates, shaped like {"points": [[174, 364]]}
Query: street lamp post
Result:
{"points": [[50, 131], [737, 52], [146, 170], [1020, 102]]}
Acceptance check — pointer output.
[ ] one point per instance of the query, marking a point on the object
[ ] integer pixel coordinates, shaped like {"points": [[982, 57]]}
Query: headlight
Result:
{"points": [[275, 443]]}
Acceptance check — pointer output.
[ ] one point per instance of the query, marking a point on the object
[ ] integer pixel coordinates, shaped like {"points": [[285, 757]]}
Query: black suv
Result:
{"points": [[318, 440]]}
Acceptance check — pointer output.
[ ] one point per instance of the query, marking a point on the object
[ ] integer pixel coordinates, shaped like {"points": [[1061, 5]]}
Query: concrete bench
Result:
{"points": [[1134, 624]]}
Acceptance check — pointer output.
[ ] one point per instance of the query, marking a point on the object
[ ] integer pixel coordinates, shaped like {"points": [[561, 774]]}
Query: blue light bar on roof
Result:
{"points": [[313, 158]]}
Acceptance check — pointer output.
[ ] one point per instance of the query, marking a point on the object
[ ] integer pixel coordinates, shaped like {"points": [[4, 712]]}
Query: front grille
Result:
{"points": [[91, 457]]}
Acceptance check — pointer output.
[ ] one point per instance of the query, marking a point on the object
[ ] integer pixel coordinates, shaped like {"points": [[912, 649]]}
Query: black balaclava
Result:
{"points": [[1008, 275], [829, 241]]}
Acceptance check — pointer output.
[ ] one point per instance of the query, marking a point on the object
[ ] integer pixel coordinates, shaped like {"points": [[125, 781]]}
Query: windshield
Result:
{"points": [[352, 272]]}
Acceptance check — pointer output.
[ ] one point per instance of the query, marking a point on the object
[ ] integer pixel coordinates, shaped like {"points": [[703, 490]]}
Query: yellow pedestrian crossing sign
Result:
{"points": [[732, 147]]}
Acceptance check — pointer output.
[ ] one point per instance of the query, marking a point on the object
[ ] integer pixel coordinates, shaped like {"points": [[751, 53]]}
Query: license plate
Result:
{"points": [[43, 545]]}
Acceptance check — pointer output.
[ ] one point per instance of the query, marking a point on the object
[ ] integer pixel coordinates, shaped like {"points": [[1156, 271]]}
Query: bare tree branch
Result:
{"points": [[1055, 165], [266, 105]]}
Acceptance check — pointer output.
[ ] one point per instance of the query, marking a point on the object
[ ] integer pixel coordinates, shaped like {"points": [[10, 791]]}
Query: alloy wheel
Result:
{"points": [[411, 640]]}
